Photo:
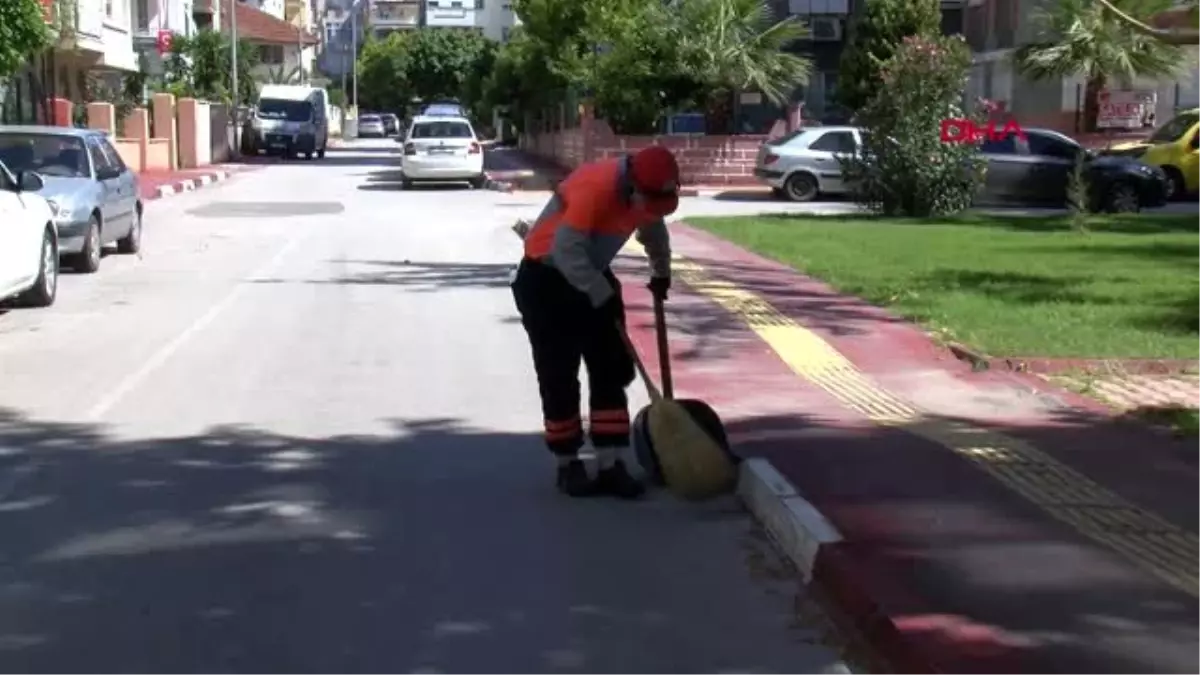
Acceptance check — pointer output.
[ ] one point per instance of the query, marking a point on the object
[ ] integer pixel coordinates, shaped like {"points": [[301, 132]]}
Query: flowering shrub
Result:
{"points": [[903, 167]]}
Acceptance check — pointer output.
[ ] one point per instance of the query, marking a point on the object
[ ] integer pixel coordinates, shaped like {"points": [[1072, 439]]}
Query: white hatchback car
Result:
{"points": [[805, 164], [28, 241], [444, 150]]}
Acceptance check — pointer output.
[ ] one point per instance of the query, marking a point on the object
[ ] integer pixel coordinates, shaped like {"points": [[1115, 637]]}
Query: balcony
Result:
{"points": [[395, 14]]}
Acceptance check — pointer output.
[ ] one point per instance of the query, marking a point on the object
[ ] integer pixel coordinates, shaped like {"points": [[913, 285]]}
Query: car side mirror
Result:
{"points": [[30, 181]]}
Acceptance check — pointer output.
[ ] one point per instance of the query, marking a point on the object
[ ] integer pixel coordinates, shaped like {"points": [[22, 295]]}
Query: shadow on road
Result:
{"points": [[390, 180], [330, 159], [421, 550], [416, 276]]}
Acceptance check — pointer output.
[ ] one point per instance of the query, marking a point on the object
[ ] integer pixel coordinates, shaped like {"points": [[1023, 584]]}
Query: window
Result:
{"points": [[1046, 145], [456, 4], [1003, 146], [442, 130], [1175, 129], [99, 158], [112, 156], [110, 9], [290, 111], [505, 32], [48, 154], [270, 55], [834, 141]]}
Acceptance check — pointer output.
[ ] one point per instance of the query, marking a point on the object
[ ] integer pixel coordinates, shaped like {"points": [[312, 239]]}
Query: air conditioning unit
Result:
{"points": [[824, 29]]}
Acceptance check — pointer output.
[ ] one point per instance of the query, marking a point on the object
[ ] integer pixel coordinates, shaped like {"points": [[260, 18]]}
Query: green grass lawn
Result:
{"points": [[1011, 286]]}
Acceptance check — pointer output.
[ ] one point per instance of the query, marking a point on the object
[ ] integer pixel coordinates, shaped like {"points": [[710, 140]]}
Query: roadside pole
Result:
{"points": [[233, 53]]}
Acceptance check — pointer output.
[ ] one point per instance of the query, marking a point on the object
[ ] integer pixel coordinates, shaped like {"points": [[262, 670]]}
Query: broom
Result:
{"points": [[684, 441]]}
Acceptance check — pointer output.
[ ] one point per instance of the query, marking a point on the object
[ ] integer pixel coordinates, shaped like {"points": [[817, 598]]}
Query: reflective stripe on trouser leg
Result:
{"points": [[564, 437], [609, 428]]}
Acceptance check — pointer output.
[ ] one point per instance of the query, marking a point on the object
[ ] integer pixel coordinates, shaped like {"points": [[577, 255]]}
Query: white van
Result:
{"points": [[292, 119]]}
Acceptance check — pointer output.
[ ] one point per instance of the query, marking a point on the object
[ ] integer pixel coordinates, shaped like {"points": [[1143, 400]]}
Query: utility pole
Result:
{"points": [[354, 56], [233, 54]]}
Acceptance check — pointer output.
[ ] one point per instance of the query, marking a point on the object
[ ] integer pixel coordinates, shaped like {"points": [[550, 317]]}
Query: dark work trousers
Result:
{"points": [[564, 330]]}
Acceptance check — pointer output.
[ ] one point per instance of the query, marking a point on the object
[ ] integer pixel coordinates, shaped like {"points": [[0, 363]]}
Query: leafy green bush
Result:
{"points": [[904, 168]]}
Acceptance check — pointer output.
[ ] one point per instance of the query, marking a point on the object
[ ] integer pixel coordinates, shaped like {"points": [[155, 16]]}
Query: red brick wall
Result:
{"points": [[703, 160]]}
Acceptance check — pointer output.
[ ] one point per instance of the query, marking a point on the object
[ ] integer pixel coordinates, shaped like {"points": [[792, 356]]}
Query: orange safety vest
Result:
{"points": [[596, 201]]}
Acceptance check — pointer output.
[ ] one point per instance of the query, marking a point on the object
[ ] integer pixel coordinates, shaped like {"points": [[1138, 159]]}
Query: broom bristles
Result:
{"points": [[694, 465]]}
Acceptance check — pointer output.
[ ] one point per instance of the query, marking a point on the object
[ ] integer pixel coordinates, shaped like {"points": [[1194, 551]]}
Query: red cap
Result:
{"points": [[655, 174]]}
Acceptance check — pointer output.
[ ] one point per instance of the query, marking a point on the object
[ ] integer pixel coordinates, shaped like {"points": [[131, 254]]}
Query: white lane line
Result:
{"points": [[160, 357]]}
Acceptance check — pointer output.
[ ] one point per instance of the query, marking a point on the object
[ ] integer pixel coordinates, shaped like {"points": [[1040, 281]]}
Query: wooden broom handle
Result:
{"points": [[664, 352], [637, 363]]}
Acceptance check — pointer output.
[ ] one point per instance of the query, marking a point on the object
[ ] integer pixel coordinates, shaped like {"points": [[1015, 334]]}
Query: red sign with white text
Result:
{"points": [[966, 131]]}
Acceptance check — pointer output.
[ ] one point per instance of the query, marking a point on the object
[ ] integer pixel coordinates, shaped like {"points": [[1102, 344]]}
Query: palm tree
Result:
{"points": [[738, 45], [1082, 38], [282, 75], [1179, 36]]}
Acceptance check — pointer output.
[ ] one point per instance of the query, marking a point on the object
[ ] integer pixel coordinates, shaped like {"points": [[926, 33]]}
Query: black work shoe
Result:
{"points": [[616, 481], [573, 479]]}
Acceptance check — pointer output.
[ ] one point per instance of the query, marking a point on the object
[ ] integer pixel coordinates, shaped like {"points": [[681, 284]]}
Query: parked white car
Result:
{"points": [[804, 164], [442, 149], [28, 241]]}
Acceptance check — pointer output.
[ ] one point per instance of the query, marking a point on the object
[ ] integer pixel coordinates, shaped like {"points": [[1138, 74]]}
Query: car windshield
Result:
{"points": [[442, 130], [1176, 128], [48, 154], [291, 111]]}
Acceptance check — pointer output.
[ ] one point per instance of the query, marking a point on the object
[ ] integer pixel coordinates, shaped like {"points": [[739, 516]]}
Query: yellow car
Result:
{"points": [[1174, 148]]}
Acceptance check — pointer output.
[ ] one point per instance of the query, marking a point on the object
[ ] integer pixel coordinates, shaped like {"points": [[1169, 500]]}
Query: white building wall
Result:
{"points": [[451, 13]]}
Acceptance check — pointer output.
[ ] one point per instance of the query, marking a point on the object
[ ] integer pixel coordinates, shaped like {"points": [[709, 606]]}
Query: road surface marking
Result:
{"points": [[164, 353], [1140, 536]]}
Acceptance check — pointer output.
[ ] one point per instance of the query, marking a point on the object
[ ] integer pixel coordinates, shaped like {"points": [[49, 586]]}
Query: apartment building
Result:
{"points": [[151, 20], [453, 13], [286, 53], [497, 19], [344, 29], [388, 16]]}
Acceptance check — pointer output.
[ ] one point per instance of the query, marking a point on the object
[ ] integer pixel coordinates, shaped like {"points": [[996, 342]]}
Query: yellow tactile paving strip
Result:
{"points": [[1140, 536]]}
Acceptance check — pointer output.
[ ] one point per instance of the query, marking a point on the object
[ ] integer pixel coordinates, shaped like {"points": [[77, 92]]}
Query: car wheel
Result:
{"points": [[88, 259], [801, 187], [479, 182], [1122, 198], [132, 242], [1176, 187], [308, 155], [45, 288], [406, 184], [321, 153]]}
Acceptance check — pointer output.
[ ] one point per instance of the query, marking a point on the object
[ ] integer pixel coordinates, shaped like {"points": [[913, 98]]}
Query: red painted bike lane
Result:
{"points": [[941, 568]]}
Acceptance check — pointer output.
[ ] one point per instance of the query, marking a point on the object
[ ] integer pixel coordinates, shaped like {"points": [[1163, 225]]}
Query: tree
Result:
{"points": [[1179, 36], [23, 31], [1081, 37], [440, 62], [201, 65], [521, 81], [874, 34], [383, 74], [904, 167]]}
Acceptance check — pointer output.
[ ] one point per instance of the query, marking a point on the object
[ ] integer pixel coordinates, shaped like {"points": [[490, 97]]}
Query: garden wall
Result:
{"points": [[703, 159]]}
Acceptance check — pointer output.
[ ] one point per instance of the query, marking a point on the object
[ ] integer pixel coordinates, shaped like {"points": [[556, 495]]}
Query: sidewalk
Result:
{"points": [[985, 521], [158, 184]]}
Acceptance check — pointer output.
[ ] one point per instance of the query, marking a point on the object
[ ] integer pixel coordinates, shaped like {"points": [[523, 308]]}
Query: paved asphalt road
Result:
{"points": [[300, 434]]}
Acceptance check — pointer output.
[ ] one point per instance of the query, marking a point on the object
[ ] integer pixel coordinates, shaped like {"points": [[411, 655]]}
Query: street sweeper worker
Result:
{"points": [[570, 305]]}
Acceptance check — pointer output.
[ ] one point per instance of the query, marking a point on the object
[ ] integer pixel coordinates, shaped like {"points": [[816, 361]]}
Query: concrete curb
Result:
{"points": [[796, 525], [855, 596], [190, 184]]}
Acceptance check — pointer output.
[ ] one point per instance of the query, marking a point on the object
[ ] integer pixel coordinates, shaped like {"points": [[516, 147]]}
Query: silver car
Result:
{"points": [[803, 165], [94, 196], [371, 126]]}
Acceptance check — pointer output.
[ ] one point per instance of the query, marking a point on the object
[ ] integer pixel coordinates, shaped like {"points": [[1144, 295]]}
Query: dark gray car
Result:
{"points": [[92, 193]]}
